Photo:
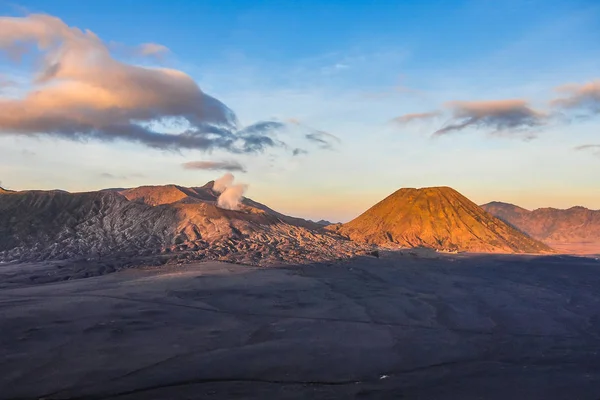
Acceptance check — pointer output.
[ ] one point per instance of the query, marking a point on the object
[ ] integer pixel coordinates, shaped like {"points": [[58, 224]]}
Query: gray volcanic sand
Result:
{"points": [[451, 327]]}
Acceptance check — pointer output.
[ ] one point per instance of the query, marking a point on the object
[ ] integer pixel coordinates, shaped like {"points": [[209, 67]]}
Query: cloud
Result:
{"points": [[214, 166], [298, 152], [107, 175], [6, 82], [262, 126], [28, 153], [323, 139], [408, 118], [153, 50], [580, 96], [594, 148], [332, 69], [499, 115], [80, 92]]}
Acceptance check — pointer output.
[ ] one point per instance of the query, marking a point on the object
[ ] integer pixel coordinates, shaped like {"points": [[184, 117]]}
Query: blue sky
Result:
{"points": [[347, 68]]}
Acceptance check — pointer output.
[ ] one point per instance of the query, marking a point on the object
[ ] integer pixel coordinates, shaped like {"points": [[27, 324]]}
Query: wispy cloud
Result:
{"points": [[323, 139], [5, 81], [122, 177], [515, 117], [335, 68], [584, 96], [28, 153], [298, 152], [408, 118], [153, 50], [593, 148], [497, 115], [231, 166]]}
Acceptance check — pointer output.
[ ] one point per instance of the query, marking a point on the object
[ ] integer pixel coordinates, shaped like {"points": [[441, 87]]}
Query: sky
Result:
{"points": [[322, 107]]}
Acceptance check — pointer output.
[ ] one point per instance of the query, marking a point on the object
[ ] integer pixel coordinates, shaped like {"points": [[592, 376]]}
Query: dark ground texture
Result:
{"points": [[399, 326]]}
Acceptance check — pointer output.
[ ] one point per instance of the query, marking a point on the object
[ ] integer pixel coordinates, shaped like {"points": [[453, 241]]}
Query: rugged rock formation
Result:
{"points": [[575, 230], [168, 223], [437, 217]]}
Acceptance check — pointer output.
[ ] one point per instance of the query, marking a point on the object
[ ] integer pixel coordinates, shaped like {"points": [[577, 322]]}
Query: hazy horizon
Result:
{"points": [[322, 109]]}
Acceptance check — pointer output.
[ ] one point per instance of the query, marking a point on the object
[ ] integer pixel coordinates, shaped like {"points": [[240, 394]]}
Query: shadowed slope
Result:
{"points": [[437, 217], [575, 230]]}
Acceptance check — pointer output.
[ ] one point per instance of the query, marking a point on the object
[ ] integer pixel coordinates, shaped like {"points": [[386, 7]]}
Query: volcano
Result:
{"points": [[439, 218], [155, 224]]}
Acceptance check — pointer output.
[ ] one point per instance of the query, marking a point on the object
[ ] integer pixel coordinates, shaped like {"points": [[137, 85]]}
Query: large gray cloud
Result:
{"points": [[231, 166], [80, 91], [498, 115]]}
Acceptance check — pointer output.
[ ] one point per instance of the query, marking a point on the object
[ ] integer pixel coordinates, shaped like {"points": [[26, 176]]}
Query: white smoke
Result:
{"points": [[231, 195], [223, 182], [231, 198]]}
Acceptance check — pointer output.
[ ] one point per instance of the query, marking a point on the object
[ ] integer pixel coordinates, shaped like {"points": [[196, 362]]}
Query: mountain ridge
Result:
{"points": [[573, 230], [174, 223]]}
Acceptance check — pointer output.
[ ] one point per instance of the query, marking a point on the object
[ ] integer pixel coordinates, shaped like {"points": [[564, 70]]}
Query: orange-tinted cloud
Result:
{"points": [[408, 118], [152, 49], [81, 92], [6, 82], [585, 96]]}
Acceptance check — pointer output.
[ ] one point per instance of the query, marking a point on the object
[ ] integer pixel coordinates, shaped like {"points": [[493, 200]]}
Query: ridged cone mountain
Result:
{"points": [[440, 218]]}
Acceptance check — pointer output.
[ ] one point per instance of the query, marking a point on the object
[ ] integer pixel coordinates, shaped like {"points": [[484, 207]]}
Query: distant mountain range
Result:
{"points": [[439, 218], [157, 224], [575, 230]]}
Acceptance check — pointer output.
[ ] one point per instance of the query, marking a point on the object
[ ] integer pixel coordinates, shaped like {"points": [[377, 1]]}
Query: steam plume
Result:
{"points": [[223, 182], [231, 194]]}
